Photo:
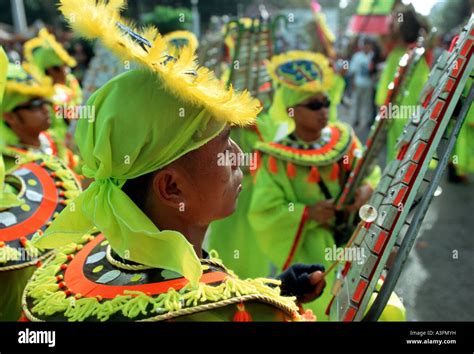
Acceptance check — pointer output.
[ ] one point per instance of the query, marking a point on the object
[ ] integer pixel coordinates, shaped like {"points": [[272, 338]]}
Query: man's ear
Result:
{"points": [[10, 118], [166, 185]]}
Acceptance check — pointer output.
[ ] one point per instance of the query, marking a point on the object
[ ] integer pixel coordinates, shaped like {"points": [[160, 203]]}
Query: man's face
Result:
{"points": [[31, 117], [313, 113], [211, 188]]}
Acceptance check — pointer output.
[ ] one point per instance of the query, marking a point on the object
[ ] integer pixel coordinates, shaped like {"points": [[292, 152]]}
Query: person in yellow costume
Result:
{"points": [[49, 56], [291, 210]]}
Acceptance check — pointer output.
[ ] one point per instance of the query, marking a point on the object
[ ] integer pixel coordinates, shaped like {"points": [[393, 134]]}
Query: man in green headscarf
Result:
{"points": [[152, 151], [26, 117]]}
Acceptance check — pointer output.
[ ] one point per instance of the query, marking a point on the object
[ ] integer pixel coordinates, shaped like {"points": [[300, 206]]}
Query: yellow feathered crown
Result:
{"points": [[179, 39], [27, 80], [302, 71], [47, 40], [182, 76]]}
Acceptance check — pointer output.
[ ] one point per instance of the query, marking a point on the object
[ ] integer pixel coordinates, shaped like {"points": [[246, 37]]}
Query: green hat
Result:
{"points": [[45, 52], [298, 75], [144, 120]]}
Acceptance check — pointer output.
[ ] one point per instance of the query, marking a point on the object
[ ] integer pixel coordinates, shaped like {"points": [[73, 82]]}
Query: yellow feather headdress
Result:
{"points": [[28, 81], [47, 40], [179, 39], [182, 76], [302, 71]]}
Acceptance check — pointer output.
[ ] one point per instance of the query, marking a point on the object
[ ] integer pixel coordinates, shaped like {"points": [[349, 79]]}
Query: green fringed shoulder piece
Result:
{"points": [[89, 282], [336, 140]]}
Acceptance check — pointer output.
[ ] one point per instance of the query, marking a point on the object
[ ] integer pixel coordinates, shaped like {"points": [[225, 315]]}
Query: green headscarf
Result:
{"points": [[137, 129]]}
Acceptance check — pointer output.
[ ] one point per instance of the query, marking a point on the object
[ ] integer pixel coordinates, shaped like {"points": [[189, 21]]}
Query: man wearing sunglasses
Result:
{"points": [[292, 209], [26, 118]]}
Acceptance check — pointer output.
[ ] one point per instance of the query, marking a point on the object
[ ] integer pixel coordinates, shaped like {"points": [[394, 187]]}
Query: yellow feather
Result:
{"points": [[317, 58], [98, 19]]}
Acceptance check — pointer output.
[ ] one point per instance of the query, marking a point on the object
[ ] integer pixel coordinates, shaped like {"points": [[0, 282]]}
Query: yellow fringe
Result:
{"points": [[49, 299]]}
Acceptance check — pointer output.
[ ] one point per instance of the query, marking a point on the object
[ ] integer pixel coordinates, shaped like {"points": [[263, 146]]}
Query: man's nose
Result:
{"points": [[238, 152]]}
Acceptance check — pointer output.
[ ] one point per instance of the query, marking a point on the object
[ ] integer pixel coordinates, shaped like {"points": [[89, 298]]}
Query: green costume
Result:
{"points": [[286, 184], [409, 96], [294, 175], [241, 251], [116, 148]]}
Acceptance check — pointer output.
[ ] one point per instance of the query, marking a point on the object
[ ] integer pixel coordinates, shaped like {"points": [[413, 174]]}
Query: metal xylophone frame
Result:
{"points": [[447, 81]]}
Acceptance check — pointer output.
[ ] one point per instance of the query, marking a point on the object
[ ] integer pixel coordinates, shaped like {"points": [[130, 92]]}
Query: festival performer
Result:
{"points": [[31, 194], [242, 252], [157, 186], [49, 56], [292, 210]]}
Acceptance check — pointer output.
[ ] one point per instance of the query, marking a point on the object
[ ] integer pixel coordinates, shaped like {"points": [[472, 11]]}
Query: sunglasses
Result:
{"points": [[317, 105], [34, 105]]}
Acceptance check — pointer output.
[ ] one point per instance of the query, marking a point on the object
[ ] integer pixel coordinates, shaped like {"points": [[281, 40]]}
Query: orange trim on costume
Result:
{"points": [[272, 165], [334, 172], [297, 238], [334, 139], [42, 214], [290, 170], [77, 282], [313, 176]]}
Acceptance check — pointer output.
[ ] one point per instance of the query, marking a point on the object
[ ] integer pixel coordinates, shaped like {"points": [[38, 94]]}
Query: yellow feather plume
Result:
{"points": [[46, 39], [323, 83]]}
